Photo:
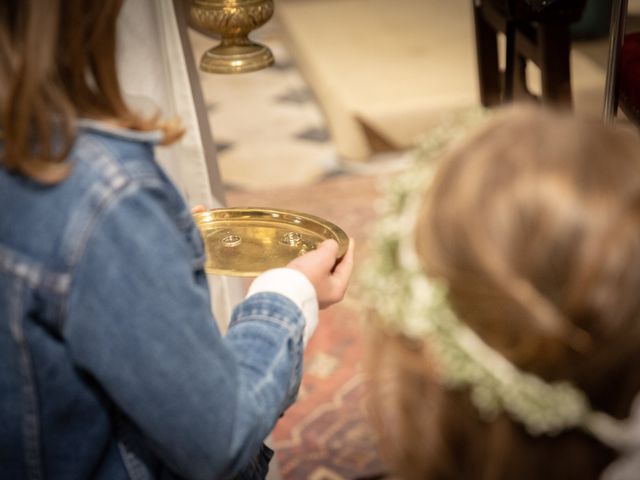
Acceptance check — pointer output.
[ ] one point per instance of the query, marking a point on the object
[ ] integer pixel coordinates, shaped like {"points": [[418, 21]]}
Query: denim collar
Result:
{"points": [[152, 136]]}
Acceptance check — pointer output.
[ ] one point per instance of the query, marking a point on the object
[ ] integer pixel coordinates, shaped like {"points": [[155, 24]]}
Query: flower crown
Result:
{"points": [[394, 285]]}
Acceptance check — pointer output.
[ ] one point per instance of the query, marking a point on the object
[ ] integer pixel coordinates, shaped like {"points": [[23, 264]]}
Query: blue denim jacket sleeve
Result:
{"points": [[139, 323]]}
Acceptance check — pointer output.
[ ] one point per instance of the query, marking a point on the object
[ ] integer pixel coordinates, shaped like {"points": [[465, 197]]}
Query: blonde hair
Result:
{"points": [[57, 63], [534, 224]]}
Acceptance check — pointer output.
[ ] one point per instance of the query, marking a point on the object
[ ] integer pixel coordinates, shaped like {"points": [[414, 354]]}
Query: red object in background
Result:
{"points": [[629, 96]]}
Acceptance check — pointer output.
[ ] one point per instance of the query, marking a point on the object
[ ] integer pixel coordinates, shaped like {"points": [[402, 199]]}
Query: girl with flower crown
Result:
{"points": [[505, 283], [113, 367]]}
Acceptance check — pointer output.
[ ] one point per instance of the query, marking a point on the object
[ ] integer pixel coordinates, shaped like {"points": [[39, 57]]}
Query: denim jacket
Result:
{"points": [[112, 365]]}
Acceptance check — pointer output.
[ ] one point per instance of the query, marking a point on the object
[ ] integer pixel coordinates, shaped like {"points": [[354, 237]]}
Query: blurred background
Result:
{"points": [[356, 88]]}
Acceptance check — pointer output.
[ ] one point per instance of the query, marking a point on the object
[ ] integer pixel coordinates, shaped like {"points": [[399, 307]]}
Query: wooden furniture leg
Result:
{"points": [[510, 64], [487, 58], [616, 36], [554, 46], [545, 42]]}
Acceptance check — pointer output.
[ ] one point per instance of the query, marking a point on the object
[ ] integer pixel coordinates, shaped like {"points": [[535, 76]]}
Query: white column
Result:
{"points": [[158, 74]]}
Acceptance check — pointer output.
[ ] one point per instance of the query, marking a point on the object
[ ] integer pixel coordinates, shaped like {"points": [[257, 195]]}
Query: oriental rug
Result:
{"points": [[325, 435]]}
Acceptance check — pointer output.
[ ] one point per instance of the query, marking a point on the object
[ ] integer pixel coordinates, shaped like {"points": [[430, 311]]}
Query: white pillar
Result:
{"points": [[158, 73]]}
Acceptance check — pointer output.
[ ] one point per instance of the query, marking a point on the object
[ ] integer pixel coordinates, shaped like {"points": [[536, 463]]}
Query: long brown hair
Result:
{"points": [[57, 63], [534, 223]]}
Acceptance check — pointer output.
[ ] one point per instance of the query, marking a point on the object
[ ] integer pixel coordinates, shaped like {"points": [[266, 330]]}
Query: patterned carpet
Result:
{"points": [[325, 434]]}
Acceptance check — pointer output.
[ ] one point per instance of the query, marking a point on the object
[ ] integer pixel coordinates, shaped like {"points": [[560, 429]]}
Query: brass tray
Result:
{"points": [[245, 242]]}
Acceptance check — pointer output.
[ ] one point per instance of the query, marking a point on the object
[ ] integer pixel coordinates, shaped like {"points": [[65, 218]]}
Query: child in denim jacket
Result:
{"points": [[113, 366]]}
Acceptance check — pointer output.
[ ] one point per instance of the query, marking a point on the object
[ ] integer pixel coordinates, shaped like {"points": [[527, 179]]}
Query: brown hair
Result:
{"points": [[57, 63], [534, 223]]}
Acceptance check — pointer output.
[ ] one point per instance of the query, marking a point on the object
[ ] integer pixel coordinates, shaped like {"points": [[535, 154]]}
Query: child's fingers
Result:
{"points": [[198, 209], [336, 284], [343, 270], [321, 259], [329, 249]]}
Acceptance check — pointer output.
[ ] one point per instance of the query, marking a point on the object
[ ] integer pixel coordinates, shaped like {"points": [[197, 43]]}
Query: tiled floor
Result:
{"points": [[268, 130]]}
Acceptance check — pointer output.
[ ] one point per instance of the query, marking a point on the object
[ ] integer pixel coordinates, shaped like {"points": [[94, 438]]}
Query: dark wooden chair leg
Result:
{"points": [[510, 66], [521, 91], [554, 44], [616, 35], [487, 58], [546, 42]]}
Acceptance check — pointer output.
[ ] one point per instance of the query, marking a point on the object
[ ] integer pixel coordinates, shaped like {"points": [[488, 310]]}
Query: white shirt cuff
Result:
{"points": [[294, 285]]}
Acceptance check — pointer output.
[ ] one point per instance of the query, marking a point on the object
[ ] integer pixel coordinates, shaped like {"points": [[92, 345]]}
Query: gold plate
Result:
{"points": [[245, 242]]}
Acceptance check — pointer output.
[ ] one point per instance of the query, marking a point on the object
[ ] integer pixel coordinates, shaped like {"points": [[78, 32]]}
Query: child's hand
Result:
{"points": [[198, 209], [317, 265]]}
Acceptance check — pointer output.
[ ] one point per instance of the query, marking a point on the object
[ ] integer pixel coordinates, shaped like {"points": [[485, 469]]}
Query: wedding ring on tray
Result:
{"points": [[245, 242]]}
